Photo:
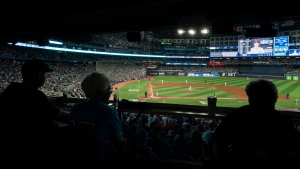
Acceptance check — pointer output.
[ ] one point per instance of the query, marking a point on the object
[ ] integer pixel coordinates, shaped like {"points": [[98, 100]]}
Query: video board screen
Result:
{"points": [[294, 52], [256, 47], [281, 46]]}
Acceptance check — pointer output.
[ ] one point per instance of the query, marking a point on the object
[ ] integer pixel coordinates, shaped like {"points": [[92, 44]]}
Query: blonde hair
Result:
{"points": [[95, 85]]}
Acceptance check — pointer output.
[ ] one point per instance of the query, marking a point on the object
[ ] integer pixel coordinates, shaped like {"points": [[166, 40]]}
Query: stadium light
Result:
{"points": [[192, 32], [180, 31], [204, 31]]}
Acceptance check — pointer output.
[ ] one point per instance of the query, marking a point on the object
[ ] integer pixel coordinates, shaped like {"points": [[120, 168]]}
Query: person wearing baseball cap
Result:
{"points": [[35, 66], [27, 114], [33, 72], [256, 49]]}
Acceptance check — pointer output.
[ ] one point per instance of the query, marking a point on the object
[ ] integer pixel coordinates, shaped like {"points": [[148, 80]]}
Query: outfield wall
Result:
{"points": [[273, 70], [261, 76], [294, 77], [185, 73], [267, 71], [251, 71], [167, 73]]}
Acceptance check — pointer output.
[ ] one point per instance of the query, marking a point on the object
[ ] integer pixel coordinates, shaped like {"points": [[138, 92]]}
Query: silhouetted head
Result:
{"points": [[262, 93], [96, 86], [33, 72]]}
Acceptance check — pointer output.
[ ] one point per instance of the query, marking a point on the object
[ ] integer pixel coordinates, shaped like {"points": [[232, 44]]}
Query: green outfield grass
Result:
{"points": [[136, 89]]}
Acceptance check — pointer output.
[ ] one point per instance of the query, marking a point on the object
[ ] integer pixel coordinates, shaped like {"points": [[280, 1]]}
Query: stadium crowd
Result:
{"points": [[72, 67]]}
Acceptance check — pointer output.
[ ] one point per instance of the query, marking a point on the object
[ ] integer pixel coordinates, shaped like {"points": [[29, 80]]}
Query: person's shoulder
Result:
{"points": [[83, 102], [19, 91], [239, 110], [22, 88], [38, 95], [107, 108], [13, 86], [97, 106], [261, 114], [245, 112], [251, 108], [87, 102]]}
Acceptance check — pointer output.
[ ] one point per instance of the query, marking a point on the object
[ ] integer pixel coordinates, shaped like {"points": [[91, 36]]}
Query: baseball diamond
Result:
{"points": [[175, 90]]}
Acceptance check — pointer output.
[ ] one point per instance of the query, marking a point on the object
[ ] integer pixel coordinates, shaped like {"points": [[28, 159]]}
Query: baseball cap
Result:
{"points": [[35, 66], [256, 41]]}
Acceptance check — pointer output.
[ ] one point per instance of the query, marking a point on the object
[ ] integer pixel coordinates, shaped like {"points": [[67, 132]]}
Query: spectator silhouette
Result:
{"points": [[257, 135], [94, 114], [28, 116], [195, 145], [145, 152], [168, 126], [206, 135], [188, 131], [158, 144], [145, 123], [180, 143]]}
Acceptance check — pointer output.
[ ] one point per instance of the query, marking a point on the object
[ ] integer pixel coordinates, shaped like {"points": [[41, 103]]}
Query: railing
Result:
{"points": [[210, 112]]}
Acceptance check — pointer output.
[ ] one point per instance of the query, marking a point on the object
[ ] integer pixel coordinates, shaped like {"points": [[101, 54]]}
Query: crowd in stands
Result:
{"points": [[68, 76], [72, 67], [173, 136], [119, 40]]}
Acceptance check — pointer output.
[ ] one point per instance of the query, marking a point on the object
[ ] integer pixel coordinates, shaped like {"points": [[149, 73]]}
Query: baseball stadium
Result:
{"points": [[159, 86], [111, 87]]}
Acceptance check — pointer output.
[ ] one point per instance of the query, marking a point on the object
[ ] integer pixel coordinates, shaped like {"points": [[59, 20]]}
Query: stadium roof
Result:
{"points": [[77, 21]]}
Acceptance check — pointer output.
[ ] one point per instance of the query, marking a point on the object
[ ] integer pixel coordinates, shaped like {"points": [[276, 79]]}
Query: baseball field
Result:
{"points": [[230, 91]]}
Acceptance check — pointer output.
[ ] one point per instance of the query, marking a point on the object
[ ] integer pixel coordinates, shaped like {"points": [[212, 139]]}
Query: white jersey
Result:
{"points": [[257, 50]]}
